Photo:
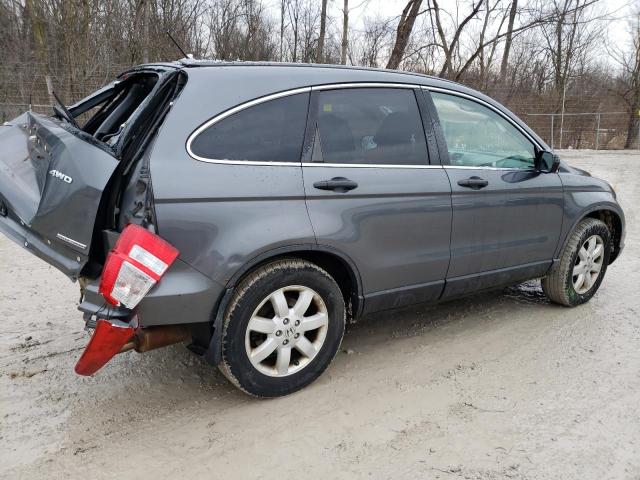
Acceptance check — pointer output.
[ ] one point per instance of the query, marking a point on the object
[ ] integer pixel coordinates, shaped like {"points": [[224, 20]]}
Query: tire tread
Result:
{"points": [[554, 284], [239, 294]]}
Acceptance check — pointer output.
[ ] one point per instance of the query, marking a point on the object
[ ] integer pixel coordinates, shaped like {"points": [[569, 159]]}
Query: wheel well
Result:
{"points": [[614, 224], [343, 273]]}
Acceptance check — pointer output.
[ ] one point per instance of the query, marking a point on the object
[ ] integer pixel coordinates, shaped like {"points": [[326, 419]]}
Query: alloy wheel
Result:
{"points": [[588, 264], [286, 331]]}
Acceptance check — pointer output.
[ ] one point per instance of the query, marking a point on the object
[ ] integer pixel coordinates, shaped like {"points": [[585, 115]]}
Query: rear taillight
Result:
{"points": [[137, 262]]}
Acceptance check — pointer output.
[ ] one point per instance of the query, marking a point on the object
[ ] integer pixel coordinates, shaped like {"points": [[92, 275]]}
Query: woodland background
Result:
{"points": [[555, 63]]}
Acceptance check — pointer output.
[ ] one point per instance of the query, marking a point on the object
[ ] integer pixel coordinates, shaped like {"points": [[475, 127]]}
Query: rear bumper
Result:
{"points": [[184, 295], [111, 337]]}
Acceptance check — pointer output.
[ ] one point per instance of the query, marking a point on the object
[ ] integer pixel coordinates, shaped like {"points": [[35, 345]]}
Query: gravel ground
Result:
{"points": [[500, 385]]}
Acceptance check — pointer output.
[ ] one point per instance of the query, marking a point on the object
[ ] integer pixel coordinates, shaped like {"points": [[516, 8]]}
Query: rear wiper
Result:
{"points": [[60, 110]]}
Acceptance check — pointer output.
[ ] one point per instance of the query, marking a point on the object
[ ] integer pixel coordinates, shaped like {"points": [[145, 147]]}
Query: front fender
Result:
{"points": [[582, 204]]}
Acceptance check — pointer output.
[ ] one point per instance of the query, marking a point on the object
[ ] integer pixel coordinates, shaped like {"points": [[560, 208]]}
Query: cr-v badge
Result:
{"points": [[61, 176]]}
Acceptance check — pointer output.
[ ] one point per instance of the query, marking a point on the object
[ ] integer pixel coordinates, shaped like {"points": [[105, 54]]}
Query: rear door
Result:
{"points": [[506, 215], [53, 175], [51, 183], [373, 194]]}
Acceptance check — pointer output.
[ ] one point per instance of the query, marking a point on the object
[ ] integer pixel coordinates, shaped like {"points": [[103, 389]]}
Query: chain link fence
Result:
{"points": [[12, 110], [591, 130], [23, 85]]}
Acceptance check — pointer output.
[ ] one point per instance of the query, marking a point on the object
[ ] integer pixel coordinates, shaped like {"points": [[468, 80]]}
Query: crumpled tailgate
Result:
{"points": [[51, 184]]}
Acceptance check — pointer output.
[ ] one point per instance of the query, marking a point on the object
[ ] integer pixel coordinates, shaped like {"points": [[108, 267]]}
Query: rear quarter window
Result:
{"points": [[272, 131]]}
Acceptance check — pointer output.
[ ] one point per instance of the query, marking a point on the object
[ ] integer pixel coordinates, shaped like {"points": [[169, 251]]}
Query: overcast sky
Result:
{"points": [[620, 10]]}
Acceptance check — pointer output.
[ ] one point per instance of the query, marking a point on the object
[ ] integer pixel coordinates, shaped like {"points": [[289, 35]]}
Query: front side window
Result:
{"points": [[272, 131], [477, 136], [370, 126]]}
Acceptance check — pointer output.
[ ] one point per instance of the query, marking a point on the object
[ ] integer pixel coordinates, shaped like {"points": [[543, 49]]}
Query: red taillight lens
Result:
{"points": [[107, 340], [136, 264]]}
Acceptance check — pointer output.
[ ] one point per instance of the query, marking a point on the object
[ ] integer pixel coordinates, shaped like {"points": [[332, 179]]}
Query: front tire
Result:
{"points": [[283, 326], [578, 275]]}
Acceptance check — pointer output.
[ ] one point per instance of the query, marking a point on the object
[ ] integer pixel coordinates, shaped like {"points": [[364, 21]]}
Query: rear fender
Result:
{"points": [[213, 354]]}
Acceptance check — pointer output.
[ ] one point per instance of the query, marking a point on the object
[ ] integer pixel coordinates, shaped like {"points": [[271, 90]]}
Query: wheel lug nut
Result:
{"points": [[297, 322], [278, 333], [285, 341], [285, 321], [296, 335]]}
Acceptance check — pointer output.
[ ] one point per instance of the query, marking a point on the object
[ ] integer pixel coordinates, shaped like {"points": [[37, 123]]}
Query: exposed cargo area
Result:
{"points": [[66, 178]]}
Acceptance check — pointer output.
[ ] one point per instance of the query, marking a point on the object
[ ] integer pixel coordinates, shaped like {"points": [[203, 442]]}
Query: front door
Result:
{"points": [[506, 215], [372, 194]]}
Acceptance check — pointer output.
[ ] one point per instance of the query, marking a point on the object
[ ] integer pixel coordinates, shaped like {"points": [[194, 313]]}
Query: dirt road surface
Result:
{"points": [[501, 385]]}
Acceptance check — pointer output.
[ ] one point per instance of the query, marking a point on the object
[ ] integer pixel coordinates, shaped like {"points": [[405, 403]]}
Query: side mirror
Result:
{"points": [[547, 162]]}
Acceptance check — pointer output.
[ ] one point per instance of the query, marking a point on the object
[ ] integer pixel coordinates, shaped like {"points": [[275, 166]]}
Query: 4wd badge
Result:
{"points": [[61, 176]]}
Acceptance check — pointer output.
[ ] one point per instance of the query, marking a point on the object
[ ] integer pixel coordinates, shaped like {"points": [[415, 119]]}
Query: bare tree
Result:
{"points": [[627, 85], [323, 27], [375, 35], [508, 39], [345, 33], [485, 59], [283, 7], [405, 26], [527, 53], [568, 36], [449, 46]]}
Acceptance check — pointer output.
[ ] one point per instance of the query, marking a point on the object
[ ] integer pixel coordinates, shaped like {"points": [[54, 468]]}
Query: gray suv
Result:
{"points": [[252, 208]]}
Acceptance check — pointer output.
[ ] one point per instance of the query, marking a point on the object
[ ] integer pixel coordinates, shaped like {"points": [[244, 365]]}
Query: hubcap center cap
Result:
{"points": [[289, 327]]}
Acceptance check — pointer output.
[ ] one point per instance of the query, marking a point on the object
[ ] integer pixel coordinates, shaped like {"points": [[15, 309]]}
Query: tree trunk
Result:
{"points": [[508, 40], [453, 45], [633, 129], [282, 6], [323, 25], [145, 29], [405, 26], [345, 33]]}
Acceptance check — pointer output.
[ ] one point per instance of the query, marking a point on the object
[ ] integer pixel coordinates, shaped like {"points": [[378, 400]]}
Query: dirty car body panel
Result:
{"points": [[51, 184], [405, 234]]}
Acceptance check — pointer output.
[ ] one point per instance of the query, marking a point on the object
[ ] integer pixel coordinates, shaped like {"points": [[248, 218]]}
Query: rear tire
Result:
{"points": [[577, 276], [283, 326]]}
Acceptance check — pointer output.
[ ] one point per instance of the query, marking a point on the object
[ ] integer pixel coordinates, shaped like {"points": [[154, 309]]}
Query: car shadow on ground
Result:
{"points": [[162, 383], [177, 366]]}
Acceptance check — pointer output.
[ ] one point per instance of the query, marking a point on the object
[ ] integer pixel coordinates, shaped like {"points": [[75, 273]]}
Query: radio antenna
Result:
{"points": [[177, 45]]}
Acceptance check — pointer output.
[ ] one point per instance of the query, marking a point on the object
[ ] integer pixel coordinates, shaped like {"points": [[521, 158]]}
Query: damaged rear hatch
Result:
{"points": [[59, 182]]}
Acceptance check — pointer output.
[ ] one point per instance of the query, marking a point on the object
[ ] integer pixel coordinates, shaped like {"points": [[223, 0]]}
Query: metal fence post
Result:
{"points": [[564, 94], [552, 131], [597, 131]]}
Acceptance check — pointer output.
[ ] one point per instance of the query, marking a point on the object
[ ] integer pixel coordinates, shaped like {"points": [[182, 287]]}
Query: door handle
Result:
{"points": [[337, 184], [473, 182]]}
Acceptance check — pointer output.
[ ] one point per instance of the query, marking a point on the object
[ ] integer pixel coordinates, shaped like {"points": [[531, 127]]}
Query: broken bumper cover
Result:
{"points": [[108, 339], [113, 336], [183, 296]]}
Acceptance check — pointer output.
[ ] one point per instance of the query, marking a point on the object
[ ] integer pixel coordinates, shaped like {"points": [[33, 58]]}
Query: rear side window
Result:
{"points": [[272, 131], [370, 126]]}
